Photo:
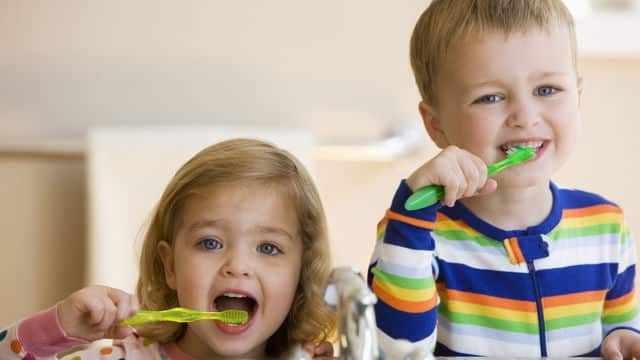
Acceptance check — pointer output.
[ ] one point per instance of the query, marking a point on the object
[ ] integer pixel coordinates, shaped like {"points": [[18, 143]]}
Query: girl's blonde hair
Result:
{"points": [[227, 162], [447, 21]]}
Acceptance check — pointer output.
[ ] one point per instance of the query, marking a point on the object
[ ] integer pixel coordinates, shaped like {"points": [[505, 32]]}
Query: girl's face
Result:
{"points": [[236, 246], [497, 91]]}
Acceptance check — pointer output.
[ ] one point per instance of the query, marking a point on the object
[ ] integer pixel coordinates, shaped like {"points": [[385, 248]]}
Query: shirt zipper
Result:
{"points": [[536, 287]]}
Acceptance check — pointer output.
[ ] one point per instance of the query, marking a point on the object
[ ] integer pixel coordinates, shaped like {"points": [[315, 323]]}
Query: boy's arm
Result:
{"points": [[401, 275], [621, 309]]}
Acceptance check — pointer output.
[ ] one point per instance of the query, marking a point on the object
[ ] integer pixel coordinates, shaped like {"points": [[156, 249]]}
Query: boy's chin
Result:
{"points": [[524, 182]]}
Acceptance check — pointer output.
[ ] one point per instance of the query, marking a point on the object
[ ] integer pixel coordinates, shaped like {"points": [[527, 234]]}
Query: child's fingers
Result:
{"points": [[119, 332], [611, 354], [108, 315], [489, 186], [323, 349], [611, 349], [454, 185], [472, 170], [123, 303], [94, 308]]}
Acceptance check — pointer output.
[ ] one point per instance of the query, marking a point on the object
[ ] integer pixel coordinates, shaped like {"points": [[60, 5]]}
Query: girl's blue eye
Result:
{"points": [[211, 244], [545, 91], [268, 249], [489, 99]]}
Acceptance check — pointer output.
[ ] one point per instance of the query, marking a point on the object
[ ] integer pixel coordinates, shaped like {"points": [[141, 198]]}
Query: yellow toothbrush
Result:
{"points": [[183, 315]]}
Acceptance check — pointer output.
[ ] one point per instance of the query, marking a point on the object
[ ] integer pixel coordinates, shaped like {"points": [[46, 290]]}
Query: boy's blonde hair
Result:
{"points": [[228, 162], [447, 21]]}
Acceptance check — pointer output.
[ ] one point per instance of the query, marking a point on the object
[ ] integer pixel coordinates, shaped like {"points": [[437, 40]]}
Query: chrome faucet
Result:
{"points": [[348, 294]]}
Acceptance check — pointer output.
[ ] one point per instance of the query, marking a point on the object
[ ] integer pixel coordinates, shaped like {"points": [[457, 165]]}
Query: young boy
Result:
{"points": [[511, 265]]}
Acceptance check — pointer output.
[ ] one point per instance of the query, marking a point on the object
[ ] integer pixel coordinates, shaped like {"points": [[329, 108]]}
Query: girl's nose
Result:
{"points": [[237, 265]]}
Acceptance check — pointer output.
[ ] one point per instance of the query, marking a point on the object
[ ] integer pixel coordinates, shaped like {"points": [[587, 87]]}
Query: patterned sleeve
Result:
{"points": [[621, 305], [41, 337], [401, 275]]}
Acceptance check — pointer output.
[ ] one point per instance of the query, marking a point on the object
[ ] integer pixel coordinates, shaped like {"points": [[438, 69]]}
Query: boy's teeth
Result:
{"points": [[511, 147]]}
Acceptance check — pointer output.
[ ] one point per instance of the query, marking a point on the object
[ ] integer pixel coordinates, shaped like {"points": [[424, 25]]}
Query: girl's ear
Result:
{"points": [[166, 254], [432, 124]]}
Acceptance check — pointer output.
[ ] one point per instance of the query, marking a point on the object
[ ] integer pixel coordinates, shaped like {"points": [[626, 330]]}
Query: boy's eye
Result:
{"points": [[210, 244], [268, 249], [488, 99], [545, 90]]}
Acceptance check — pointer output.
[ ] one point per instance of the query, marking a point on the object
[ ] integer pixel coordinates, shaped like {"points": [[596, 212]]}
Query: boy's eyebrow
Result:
{"points": [[540, 75], [552, 74]]}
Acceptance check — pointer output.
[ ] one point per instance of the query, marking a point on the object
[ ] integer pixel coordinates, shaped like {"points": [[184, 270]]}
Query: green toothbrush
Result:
{"points": [[429, 195], [184, 315]]}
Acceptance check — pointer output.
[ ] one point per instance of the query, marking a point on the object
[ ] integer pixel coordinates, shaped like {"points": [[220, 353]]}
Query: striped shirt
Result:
{"points": [[554, 289]]}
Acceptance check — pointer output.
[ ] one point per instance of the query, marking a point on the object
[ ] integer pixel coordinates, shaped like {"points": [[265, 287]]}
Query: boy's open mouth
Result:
{"points": [[510, 147], [235, 301]]}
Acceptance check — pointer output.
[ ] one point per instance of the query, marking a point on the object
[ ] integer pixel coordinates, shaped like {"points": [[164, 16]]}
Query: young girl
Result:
{"points": [[240, 226]]}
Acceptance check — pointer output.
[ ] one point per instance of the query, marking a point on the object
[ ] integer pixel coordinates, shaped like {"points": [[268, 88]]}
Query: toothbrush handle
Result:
{"points": [[424, 197], [499, 166]]}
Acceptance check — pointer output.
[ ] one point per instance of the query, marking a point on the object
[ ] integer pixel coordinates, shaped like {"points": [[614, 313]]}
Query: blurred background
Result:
{"points": [[100, 101]]}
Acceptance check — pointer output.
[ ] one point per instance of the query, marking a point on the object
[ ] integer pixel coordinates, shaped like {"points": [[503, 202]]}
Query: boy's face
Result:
{"points": [[495, 92], [237, 246]]}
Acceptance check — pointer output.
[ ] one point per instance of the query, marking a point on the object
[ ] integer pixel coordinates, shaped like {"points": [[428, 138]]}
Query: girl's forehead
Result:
{"points": [[239, 206]]}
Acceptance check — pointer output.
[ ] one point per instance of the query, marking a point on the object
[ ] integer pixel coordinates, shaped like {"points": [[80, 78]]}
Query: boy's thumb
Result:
{"points": [[490, 186]]}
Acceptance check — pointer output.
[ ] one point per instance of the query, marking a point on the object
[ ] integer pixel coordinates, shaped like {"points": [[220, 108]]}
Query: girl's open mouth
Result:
{"points": [[235, 301]]}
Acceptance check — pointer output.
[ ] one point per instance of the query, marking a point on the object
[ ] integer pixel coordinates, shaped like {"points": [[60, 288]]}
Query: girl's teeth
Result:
{"points": [[232, 295]]}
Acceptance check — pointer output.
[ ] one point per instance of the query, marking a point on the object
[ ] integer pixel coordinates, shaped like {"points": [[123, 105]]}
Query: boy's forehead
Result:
{"points": [[479, 53]]}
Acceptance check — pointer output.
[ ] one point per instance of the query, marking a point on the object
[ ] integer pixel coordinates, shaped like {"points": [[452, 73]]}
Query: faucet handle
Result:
{"points": [[331, 298], [347, 284], [347, 293]]}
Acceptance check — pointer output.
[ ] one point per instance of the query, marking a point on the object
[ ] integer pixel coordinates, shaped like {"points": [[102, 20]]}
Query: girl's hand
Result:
{"points": [[93, 313], [461, 173], [319, 350]]}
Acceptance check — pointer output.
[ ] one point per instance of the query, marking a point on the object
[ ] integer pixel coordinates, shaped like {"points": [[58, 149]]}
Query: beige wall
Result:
{"points": [[42, 211], [42, 232]]}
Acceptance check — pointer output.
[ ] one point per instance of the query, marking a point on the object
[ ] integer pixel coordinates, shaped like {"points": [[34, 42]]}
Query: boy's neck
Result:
{"points": [[513, 209]]}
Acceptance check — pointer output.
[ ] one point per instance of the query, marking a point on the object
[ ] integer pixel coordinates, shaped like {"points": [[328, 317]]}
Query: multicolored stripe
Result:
{"points": [[491, 298]]}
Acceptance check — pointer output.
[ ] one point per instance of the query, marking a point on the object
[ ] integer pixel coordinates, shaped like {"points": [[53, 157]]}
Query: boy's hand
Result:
{"points": [[93, 313], [621, 344], [461, 173]]}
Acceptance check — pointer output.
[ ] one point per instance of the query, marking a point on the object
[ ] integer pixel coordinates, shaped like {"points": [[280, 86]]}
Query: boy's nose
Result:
{"points": [[523, 115]]}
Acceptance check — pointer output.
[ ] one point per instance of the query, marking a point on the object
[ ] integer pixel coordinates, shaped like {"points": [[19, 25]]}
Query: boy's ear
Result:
{"points": [[166, 254], [432, 124], [580, 89]]}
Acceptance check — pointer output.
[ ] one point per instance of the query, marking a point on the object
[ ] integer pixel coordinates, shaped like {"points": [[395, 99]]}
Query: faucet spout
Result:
{"points": [[348, 294]]}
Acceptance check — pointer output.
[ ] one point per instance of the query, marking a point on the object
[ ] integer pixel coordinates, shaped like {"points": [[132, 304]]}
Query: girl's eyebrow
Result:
{"points": [[263, 229], [274, 230], [204, 223]]}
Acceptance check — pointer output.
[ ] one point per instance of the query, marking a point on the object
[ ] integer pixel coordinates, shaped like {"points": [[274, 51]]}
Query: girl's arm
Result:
{"points": [[87, 315]]}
